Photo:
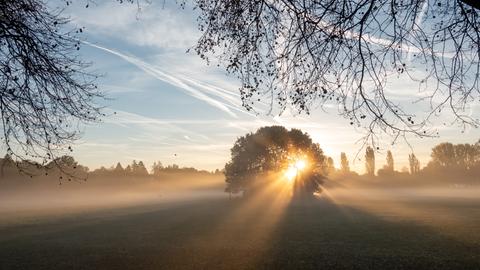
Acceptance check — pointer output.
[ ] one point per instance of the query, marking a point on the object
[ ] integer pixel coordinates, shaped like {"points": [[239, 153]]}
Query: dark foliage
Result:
{"points": [[270, 150]]}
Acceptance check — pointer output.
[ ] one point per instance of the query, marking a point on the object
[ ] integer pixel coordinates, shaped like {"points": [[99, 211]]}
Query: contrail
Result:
{"points": [[170, 79]]}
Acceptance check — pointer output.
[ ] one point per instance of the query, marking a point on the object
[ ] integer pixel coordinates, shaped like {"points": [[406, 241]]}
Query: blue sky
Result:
{"points": [[172, 107]]}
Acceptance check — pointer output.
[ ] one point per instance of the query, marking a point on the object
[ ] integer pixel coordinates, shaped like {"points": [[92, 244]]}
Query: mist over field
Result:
{"points": [[187, 221], [25, 197]]}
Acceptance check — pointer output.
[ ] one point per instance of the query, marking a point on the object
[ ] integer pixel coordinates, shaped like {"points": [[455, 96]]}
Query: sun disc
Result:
{"points": [[300, 164], [290, 173]]}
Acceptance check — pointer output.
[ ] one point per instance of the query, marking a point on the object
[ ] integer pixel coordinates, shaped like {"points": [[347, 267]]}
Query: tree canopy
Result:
{"points": [[271, 150], [455, 156]]}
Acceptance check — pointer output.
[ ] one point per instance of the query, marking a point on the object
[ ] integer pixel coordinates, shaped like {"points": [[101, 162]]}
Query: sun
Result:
{"points": [[300, 164], [294, 168], [291, 173]]}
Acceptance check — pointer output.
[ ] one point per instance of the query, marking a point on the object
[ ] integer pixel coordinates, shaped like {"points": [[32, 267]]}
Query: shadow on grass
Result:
{"points": [[222, 234], [322, 235]]}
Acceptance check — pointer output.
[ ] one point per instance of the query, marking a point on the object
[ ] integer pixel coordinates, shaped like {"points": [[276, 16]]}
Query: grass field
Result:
{"points": [[341, 231]]}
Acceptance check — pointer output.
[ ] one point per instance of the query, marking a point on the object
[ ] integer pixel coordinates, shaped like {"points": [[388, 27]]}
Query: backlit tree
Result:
{"points": [[370, 161], [414, 164], [390, 163], [268, 151], [344, 165]]}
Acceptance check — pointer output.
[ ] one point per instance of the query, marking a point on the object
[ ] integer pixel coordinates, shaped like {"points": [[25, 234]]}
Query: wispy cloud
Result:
{"points": [[177, 81], [157, 25]]}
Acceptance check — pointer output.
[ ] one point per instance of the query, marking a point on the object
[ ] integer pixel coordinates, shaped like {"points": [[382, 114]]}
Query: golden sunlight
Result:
{"points": [[300, 164], [290, 173], [294, 168]]}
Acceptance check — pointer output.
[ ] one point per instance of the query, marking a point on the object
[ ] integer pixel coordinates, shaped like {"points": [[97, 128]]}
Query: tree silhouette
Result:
{"points": [[443, 155], [119, 171], [138, 169], [330, 165], [172, 168], [128, 170], [300, 54], [64, 167], [390, 163], [269, 150], [388, 169], [45, 90], [459, 156], [157, 168], [370, 161], [414, 164], [141, 169], [344, 165]]}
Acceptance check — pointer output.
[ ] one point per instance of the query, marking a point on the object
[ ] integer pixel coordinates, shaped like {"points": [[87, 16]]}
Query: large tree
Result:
{"points": [[300, 54], [269, 151]]}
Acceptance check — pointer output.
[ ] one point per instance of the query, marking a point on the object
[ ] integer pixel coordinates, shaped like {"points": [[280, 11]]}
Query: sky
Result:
{"points": [[167, 105]]}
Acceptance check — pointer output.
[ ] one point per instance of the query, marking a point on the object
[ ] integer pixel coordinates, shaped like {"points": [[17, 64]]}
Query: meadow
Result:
{"points": [[341, 229]]}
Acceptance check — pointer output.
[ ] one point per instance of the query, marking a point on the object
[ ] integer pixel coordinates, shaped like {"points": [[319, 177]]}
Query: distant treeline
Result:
{"points": [[139, 169], [448, 161], [67, 168], [454, 162]]}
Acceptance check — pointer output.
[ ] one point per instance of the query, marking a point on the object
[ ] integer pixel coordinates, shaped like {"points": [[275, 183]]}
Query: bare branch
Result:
{"points": [[46, 92], [305, 54]]}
